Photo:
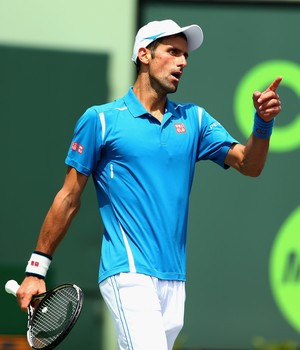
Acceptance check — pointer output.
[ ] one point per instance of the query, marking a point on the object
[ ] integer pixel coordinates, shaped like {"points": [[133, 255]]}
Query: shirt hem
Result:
{"points": [[169, 276]]}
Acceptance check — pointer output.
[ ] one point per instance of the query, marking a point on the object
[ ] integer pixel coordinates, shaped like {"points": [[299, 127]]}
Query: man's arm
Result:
{"points": [[57, 221], [250, 159]]}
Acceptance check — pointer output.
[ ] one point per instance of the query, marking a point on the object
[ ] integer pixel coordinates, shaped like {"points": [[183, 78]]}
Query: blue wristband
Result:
{"points": [[262, 129]]}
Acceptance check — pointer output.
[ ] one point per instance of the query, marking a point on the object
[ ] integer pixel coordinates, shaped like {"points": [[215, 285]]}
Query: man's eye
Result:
{"points": [[174, 52]]}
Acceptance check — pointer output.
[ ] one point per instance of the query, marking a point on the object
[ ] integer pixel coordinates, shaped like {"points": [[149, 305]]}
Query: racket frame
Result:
{"points": [[43, 298]]}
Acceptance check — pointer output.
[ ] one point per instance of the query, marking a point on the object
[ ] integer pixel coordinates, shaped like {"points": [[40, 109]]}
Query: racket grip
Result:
{"points": [[11, 287]]}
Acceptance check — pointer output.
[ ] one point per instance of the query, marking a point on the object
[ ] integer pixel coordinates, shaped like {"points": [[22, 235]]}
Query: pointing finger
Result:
{"points": [[275, 84]]}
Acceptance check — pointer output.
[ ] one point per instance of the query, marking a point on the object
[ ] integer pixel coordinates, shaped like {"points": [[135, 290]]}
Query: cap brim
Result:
{"points": [[194, 36]]}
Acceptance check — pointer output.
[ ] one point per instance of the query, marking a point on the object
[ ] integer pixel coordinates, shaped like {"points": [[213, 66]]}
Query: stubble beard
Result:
{"points": [[163, 86]]}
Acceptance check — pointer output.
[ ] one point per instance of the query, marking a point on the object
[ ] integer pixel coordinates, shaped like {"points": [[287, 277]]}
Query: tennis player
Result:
{"points": [[141, 151]]}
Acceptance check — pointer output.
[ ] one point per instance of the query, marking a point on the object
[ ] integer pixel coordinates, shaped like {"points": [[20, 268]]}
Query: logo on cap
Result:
{"points": [[154, 37]]}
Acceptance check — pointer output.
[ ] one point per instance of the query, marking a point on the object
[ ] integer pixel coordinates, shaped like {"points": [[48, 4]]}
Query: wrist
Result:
{"points": [[38, 265], [261, 128]]}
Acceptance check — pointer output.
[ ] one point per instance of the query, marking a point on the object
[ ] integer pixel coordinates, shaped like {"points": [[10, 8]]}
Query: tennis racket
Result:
{"points": [[56, 314]]}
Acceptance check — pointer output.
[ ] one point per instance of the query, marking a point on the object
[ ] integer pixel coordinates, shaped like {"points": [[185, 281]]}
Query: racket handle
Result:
{"points": [[11, 287]]}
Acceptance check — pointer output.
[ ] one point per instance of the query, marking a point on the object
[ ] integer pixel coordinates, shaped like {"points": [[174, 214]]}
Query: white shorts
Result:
{"points": [[147, 312]]}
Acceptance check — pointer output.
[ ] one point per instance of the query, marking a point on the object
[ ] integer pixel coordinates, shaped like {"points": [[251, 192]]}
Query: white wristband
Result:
{"points": [[38, 264]]}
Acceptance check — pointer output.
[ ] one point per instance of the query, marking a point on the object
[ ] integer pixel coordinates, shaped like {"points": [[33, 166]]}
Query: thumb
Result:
{"points": [[256, 95], [24, 302]]}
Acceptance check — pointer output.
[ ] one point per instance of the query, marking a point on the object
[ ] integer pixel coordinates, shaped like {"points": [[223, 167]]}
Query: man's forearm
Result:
{"points": [[56, 223], [255, 156]]}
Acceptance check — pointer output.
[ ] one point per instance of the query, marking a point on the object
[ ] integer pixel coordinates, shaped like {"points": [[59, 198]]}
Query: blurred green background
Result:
{"points": [[57, 60]]}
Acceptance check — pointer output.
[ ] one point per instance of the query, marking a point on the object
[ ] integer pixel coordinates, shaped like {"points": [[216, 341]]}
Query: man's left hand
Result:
{"points": [[267, 103]]}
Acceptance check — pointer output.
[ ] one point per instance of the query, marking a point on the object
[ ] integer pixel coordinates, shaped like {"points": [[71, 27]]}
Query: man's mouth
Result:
{"points": [[176, 75]]}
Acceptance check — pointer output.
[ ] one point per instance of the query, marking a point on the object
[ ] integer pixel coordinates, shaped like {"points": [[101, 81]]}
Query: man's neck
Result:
{"points": [[150, 99]]}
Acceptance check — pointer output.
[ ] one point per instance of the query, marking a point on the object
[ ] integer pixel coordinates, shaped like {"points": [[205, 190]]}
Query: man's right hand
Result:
{"points": [[30, 286]]}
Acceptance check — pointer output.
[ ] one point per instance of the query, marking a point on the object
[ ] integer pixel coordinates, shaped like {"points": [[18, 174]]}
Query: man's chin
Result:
{"points": [[172, 89]]}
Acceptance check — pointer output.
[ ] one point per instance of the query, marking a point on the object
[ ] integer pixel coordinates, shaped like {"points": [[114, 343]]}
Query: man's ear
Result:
{"points": [[144, 55]]}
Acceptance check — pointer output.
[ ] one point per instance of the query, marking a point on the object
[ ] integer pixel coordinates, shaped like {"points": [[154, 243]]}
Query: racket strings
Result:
{"points": [[53, 316]]}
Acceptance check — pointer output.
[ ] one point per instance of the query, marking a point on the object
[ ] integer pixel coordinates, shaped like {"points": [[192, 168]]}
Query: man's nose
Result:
{"points": [[183, 61]]}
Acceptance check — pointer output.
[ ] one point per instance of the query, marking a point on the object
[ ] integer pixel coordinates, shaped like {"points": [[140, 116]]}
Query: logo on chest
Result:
{"points": [[180, 128]]}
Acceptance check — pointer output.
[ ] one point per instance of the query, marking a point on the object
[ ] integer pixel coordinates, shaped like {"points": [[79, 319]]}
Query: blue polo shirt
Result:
{"points": [[143, 172]]}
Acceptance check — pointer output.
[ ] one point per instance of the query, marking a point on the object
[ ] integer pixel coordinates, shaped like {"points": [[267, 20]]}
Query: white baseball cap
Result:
{"points": [[158, 29]]}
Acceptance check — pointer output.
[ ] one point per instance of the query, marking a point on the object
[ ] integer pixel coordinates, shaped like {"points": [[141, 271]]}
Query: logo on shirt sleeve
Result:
{"points": [[77, 147], [214, 124], [80, 149], [180, 128]]}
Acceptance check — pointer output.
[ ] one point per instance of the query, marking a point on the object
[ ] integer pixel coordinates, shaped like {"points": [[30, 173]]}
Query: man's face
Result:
{"points": [[167, 64]]}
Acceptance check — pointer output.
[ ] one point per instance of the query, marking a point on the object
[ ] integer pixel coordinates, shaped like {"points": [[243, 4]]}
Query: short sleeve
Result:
{"points": [[215, 141], [85, 149]]}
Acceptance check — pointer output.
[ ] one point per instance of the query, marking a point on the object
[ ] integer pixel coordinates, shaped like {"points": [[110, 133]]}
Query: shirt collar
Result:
{"points": [[134, 105], [137, 109], [172, 108]]}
